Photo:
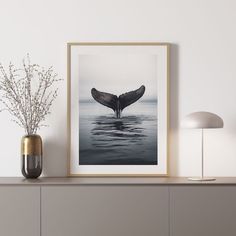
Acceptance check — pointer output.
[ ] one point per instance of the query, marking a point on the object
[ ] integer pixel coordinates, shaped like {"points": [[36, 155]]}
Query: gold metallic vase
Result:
{"points": [[32, 154]]}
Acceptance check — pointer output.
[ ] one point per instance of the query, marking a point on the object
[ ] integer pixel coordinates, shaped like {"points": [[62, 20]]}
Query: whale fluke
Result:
{"points": [[117, 104], [131, 97], [105, 99]]}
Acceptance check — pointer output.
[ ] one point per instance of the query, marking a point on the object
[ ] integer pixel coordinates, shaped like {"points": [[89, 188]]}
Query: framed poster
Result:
{"points": [[118, 109]]}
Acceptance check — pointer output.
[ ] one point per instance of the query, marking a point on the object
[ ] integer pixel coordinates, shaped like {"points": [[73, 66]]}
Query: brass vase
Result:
{"points": [[32, 154]]}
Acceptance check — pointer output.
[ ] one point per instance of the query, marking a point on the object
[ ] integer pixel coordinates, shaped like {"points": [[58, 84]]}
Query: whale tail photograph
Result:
{"points": [[117, 110]]}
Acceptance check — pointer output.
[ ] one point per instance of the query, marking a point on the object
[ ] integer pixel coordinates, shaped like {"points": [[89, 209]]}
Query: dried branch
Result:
{"points": [[28, 94]]}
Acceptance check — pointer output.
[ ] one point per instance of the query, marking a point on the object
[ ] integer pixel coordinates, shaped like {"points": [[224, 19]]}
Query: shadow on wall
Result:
{"points": [[174, 111], [54, 157]]}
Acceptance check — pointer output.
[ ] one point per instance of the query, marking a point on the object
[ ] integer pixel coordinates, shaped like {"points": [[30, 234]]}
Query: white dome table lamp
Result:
{"points": [[202, 120]]}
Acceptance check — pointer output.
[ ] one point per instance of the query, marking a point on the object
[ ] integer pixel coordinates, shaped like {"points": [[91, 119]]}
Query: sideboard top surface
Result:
{"points": [[113, 181]]}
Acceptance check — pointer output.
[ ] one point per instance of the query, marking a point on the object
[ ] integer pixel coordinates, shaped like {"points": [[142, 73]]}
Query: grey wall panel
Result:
{"points": [[203, 210], [19, 211], [104, 210]]}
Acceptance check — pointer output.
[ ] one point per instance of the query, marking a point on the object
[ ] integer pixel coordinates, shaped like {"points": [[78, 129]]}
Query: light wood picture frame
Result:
{"points": [[112, 135]]}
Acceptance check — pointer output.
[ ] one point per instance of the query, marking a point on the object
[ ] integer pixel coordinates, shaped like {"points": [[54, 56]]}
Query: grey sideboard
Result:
{"points": [[117, 207]]}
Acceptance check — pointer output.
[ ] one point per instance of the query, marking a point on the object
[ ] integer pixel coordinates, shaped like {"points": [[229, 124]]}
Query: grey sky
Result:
{"points": [[117, 74]]}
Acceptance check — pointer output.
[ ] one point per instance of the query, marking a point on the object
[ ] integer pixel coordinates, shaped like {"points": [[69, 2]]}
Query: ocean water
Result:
{"points": [[106, 140]]}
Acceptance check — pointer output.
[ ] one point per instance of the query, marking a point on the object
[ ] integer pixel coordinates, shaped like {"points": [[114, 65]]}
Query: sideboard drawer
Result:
{"points": [[19, 211], [203, 210], [105, 210]]}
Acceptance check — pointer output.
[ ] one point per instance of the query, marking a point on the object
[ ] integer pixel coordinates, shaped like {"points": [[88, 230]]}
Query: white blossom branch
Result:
{"points": [[28, 104]]}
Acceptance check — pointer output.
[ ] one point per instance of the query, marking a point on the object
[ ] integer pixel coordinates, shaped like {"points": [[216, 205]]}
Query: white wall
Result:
{"points": [[203, 68]]}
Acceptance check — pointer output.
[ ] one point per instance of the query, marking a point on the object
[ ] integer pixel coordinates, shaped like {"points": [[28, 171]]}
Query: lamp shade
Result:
{"points": [[202, 120]]}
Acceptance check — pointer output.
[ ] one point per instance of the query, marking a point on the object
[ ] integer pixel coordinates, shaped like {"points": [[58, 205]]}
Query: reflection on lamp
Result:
{"points": [[202, 120]]}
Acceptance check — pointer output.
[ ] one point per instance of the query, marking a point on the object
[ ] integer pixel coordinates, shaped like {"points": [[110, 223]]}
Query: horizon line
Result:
{"points": [[93, 101]]}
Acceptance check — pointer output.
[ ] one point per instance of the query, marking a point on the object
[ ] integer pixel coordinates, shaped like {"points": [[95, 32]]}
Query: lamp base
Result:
{"points": [[201, 179]]}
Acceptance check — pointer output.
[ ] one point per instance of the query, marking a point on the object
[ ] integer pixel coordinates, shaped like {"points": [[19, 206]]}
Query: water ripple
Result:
{"points": [[106, 140], [108, 130]]}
